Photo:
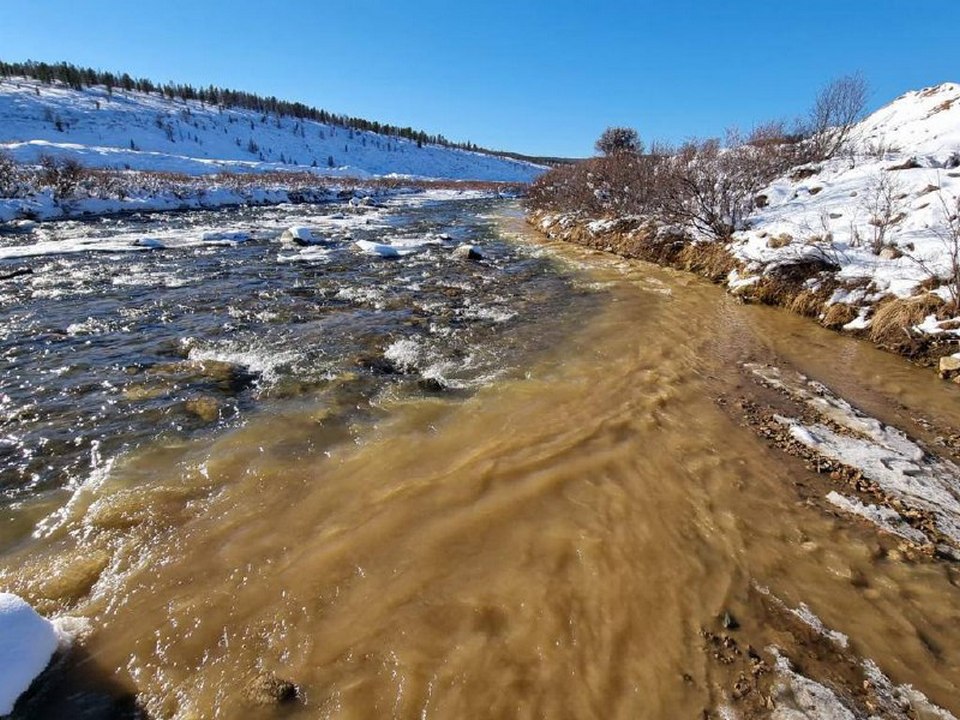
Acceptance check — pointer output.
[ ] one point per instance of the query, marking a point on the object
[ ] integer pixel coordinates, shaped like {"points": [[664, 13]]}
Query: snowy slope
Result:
{"points": [[880, 212], [149, 132]]}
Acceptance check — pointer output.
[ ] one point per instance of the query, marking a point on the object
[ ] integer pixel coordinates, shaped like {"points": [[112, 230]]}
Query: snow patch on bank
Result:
{"points": [[883, 454], [27, 643], [879, 212]]}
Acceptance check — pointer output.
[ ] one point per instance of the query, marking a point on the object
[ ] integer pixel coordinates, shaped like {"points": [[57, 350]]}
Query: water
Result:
{"points": [[515, 488], [104, 352]]}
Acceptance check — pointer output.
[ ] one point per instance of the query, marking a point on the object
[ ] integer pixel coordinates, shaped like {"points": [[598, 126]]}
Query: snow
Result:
{"points": [[908, 151], [810, 699], [27, 642], [883, 517], [884, 454], [148, 132], [798, 697], [381, 249], [299, 236]]}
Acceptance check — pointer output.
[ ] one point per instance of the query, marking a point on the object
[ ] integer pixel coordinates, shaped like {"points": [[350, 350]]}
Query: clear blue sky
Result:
{"points": [[537, 77]]}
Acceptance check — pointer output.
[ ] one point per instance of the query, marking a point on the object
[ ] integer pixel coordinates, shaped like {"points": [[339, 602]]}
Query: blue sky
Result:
{"points": [[535, 77]]}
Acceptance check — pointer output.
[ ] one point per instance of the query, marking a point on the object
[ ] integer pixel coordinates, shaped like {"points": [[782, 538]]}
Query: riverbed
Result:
{"points": [[280, 481]]}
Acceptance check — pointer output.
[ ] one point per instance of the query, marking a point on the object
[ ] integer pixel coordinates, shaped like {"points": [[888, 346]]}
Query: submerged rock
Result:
{"points": [[205, 407], [728, 621], [268, 689], [228, 376], [16, 273]]}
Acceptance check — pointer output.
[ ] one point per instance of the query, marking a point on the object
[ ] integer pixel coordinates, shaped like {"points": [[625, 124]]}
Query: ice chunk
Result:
{"points": [[374, 248]]}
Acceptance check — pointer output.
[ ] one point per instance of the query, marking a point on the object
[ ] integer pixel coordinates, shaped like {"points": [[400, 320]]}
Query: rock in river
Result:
{"points": [[468, 252], [298, 235]]}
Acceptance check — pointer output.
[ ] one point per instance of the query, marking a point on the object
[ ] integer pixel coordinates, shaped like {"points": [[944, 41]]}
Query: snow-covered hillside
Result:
{"points": [[141, 131], [884, 212]]}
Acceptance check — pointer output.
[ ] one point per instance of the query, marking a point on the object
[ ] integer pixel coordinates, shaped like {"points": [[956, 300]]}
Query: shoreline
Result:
{"points": [[163, 192], [803, 288]]}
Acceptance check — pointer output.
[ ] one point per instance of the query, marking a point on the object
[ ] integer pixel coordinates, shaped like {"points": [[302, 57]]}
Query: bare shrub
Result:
{"points": [[9, 175], [883, 202], [949, 233], [943, 269], [617, 184], [61, 175], [714, 188], [836, 109]]}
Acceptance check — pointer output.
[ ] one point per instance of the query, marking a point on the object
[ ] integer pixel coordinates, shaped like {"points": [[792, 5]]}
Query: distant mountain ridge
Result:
{"points": [[177, 129]]}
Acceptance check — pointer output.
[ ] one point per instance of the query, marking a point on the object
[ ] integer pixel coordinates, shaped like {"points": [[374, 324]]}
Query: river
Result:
{"points": [[285, 482]]}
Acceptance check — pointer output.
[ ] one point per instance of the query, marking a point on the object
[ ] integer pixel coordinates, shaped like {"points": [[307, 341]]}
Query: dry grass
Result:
{"points": [[893, 319], [838, 315], [770, 290], [808, 303], [710, 260], [779, 241]]}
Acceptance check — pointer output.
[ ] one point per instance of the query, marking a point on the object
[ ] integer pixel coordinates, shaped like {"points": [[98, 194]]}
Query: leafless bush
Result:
{"points": [[944, 268], [714, 188], [703, 184], [949, 233], [617, 184], [883, 202], [9, 175], [62, 175], [836, 109]]}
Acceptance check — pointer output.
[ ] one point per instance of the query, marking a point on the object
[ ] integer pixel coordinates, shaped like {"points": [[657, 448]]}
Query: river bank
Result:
{"points": [[807, 286], [63, 190]]}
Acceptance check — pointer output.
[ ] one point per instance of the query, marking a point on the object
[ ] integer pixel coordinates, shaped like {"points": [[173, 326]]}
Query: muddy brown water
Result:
{"points": [[548, 547]]}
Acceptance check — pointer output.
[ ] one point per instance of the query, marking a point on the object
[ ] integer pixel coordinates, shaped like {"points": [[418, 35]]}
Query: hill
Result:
{"points": [[109, 127]]}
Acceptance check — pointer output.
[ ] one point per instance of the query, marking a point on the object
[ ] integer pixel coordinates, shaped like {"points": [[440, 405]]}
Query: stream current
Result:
{"points": [[277, 481]]}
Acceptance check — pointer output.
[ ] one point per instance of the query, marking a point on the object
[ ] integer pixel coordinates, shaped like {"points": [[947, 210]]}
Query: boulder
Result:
{"points": [[949, 366], [205, 407], [268, 689], [468, 252]]}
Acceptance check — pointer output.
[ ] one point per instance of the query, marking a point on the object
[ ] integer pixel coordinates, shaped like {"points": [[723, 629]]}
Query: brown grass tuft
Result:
{"points": [[710, 260], [771, 290], [781, 240], [838, 315], [808, 303], [894, 318]]}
